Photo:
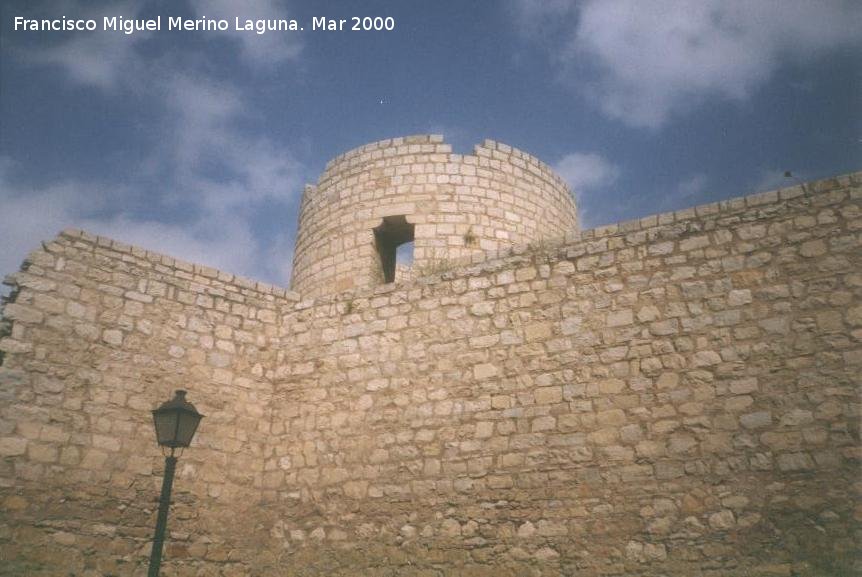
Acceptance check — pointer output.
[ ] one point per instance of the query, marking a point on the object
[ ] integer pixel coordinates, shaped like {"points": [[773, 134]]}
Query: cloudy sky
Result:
{"points": [[197, 144]]}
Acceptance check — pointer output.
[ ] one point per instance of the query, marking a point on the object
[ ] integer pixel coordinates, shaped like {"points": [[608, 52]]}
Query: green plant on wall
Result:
{"points": [[538, 247], [432, 267]]}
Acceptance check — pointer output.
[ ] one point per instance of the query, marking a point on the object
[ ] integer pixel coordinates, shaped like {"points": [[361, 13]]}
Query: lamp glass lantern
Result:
{"points": [[176, 422]]}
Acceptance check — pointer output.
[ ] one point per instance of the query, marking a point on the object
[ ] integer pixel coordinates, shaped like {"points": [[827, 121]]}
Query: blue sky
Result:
{"points": [[197, 144]]}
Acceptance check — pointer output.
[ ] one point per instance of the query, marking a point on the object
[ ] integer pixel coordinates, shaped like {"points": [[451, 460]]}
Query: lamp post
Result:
{"points": [[176, 422]]}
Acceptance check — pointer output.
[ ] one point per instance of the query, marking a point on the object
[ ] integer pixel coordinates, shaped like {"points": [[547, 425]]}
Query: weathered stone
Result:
{"points": [[484, 371], [451, 528], [705, 358], [813, 248], [738, 403], [545, 554], [21, 313], [543, 424], [756, 420], [12, 446], [797, 417], [648, 313], [619, 318], [795, 462], [742, 386], [112, 337], [537, 331], [549, 528], [723, 520], [667, 381], [739, 297]]}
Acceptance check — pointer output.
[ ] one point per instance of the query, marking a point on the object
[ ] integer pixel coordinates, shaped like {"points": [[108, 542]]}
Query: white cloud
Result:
{"points": [[101, 58], [214, 170], [691, 186], [216, 225], [213, 175], [225, 244], [265, 49], [586, 171], [97, 59], [277, 259], [209, 176], [642, 62], [773, 179], [107, 59], [28, 217], [207, 117], [688, 192], [222, 240]]}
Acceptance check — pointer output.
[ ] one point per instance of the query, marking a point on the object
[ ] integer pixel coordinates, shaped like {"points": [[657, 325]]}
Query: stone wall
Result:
{"points": [[101, 334], [678, 395], [674, 395], [460, 205]]}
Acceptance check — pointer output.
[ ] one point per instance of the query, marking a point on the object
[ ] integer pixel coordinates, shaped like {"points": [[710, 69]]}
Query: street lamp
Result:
{"points": [[176, 422]]}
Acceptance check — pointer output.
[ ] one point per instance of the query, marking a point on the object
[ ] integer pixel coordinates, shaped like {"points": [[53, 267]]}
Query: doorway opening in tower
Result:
{"points": [[394, 242]]}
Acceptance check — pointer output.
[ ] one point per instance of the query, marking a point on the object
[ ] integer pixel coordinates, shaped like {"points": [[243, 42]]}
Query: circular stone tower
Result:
{"points": [[375, 198]]}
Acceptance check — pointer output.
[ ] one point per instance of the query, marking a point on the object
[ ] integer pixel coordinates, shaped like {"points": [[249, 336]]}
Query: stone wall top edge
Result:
{"points": [[487, 149], [462, 266], [384, 143], [728, 206], [103, 242], [489, 144]]}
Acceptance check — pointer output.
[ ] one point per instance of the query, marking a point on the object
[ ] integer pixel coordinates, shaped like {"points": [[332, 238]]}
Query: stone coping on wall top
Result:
{"points": [[489, 144], [485, 149], [385, 143], [728, 207], [166, 260]]}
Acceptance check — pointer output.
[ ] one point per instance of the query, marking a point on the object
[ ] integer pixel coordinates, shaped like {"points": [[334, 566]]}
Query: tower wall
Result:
{"points": [[460, 205]]}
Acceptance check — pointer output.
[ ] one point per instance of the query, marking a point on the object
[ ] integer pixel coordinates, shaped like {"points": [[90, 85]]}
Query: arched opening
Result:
{"points": [[394, 232]]}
